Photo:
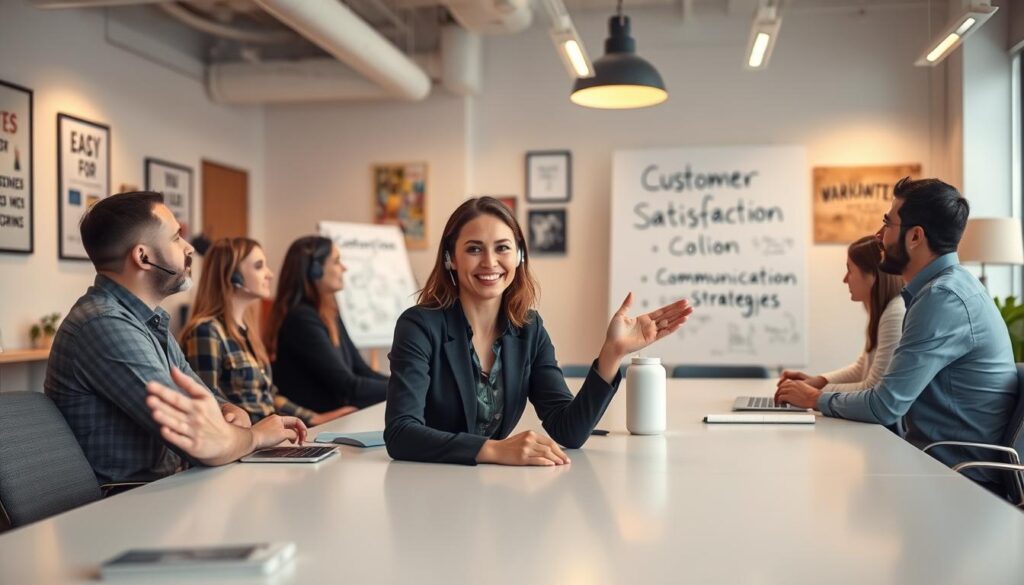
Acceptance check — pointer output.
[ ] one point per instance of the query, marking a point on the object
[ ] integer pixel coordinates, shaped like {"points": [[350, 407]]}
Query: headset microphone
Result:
{"points": [[238, 282], [145, 260]]}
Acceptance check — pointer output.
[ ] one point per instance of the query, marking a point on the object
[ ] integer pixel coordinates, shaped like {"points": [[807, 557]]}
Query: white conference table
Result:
{"points": [[837, 502]]}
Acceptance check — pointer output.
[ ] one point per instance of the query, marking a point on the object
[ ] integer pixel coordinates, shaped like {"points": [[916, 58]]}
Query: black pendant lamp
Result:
{"points": [[622, 80]]}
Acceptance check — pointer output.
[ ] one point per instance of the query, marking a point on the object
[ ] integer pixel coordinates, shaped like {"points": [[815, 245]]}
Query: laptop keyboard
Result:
{"points": [[295, 451], [760, 402]]}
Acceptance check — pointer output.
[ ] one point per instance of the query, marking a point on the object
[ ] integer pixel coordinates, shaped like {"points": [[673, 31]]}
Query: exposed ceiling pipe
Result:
{"points": [[330, 25], [490, 17], [457, 68], [277, 82], [225, 31]]}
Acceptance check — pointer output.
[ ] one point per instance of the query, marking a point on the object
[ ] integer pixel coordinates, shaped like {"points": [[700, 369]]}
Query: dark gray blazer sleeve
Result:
{"points": [[568, 420], [405, 431]]}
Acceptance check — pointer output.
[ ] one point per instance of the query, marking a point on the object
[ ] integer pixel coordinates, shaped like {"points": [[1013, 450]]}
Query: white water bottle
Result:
{"points": [[645, 396]]}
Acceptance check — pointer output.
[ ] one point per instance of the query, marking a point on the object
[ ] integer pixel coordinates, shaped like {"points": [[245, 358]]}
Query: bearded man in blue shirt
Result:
{"points": [[952, 376]]}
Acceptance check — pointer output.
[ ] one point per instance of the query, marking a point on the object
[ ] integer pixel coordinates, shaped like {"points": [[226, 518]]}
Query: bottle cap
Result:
{"points": [[646, 361]]}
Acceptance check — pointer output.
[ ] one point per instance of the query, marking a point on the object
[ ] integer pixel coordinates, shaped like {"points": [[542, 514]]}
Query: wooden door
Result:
{"points": [[225, 202]]}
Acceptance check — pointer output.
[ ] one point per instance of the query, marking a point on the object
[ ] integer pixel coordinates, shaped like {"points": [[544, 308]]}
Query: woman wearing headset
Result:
{"points": [[315, 361], [222, 341], [467, 358]]}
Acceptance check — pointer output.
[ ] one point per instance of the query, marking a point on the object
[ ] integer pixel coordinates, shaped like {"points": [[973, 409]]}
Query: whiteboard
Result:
{"points": [[379, 284], [726, 228]]}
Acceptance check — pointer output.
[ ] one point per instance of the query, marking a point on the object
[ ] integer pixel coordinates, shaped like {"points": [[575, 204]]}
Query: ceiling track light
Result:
{"points": [[763, 33], [960, 27], [567, 41]]}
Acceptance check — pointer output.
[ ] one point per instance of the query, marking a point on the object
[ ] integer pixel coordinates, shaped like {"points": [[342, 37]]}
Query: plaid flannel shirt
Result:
{"points": [[233, 370], [106, 350]]}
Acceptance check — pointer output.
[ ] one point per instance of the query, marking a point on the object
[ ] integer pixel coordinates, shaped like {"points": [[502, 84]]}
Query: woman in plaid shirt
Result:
{"points": [[222, 340]]}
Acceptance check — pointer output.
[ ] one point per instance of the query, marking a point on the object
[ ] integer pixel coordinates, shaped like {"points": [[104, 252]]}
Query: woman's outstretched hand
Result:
{"points": [[630, 334]]}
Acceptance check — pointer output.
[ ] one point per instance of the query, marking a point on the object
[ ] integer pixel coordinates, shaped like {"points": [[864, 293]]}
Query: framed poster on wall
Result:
{"points": [[400, 198], [175, 182], [549, 176], [16, 188], [547, 231], [83, 178], [849, 201]]}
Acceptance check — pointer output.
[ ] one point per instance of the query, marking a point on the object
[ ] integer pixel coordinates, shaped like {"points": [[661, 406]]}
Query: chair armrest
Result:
{"points": [[1014, 456], [988, 465]]}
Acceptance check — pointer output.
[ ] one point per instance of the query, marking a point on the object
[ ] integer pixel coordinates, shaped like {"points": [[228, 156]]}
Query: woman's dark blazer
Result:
{"points": [[432, 392], [311, 371]]}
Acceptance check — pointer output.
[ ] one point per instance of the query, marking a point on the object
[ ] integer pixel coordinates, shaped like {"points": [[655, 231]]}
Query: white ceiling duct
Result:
{"points": [[313, 80], [275, 82], [334, 28], [490, 17]]}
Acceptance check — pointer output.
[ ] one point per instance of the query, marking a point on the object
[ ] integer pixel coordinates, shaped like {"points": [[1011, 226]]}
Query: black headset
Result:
{"points": [[317, 257]]}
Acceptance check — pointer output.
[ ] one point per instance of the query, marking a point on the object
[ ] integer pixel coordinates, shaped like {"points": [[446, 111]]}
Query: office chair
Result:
{"points": [[42, 468], [1013, 444], [691, 371]]}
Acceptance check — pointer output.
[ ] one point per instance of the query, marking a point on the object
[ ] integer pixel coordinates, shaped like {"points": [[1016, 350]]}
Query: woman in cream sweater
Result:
{"points": [[880, 293]]}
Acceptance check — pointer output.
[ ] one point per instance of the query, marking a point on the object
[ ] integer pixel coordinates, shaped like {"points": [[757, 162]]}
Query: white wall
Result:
{"points": [[63, 56], [320, 157], [840, 83], [988, 129]]}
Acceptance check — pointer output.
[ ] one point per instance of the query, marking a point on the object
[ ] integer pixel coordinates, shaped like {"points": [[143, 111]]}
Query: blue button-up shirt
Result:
{"points": [[952, 376], [106, 350]]}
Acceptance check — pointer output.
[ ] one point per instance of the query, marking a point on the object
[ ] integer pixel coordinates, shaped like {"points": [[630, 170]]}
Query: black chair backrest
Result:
{"points": [[689, 371], [1015, 437], [42, 468]]}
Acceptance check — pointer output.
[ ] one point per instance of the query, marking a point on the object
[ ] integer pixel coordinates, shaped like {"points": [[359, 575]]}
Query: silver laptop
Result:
{"points": [[763, 403], [290, 455]]}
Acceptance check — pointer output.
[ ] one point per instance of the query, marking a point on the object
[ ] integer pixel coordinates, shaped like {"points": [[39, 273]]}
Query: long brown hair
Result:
{"points": [[303, 266], [440, 292], [214, 298], [866, 254]]}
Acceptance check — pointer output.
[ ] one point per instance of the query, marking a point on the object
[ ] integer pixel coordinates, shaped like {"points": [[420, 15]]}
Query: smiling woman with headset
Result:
{"points": [[467, 358], [315, 361], [222, 340]]}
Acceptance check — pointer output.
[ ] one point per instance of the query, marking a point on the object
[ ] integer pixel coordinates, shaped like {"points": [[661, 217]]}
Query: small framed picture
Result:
{"points": [[175, 182], [547, 231], [549, 176], [511, 202]]}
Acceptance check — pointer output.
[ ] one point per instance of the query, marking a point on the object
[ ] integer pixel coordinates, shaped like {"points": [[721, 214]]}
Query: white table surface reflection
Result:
{"points": [[837, 502]]}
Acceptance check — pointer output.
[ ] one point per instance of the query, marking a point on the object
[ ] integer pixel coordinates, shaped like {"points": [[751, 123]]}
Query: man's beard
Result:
{"points": [[171, 284], [896, 258]]}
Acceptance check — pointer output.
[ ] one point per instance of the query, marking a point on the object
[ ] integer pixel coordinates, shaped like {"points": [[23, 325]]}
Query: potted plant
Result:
{"points": [[1013, 315], [42, 332]]}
